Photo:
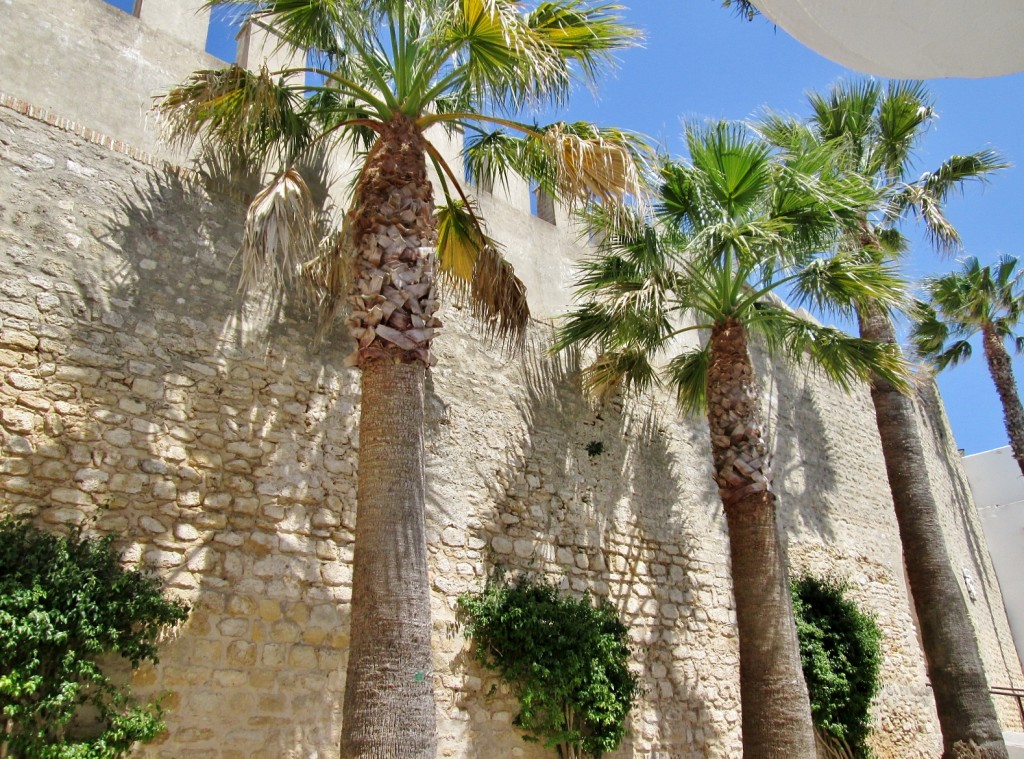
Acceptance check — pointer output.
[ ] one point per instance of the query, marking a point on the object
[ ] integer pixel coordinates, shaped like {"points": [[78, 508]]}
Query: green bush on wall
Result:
{"points": [[64, 602], [841, 651], [566, 659]]}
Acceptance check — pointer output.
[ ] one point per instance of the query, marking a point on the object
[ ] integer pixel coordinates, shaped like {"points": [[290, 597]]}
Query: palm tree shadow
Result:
{"points": [[800, 434], [590, 495], [217, 446]]}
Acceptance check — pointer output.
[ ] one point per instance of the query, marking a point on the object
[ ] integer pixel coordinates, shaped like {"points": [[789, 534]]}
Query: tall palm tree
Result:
{"points": [[878, 127], [735, 225], [389, 70], [977, 300]]}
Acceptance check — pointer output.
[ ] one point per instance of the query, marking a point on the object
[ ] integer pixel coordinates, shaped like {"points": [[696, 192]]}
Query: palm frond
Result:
{"points": [[328, 278], [498, 299], [688, 376], [582, 33], [843, 359], [595, 163], [734, 166], [904, 113], [494, 156], [471, 264], [236, 112], [460, 239], [303, 23], [281, 233], [926, 196], [928, 333], [849, 281], [500, 59], [845, 114]]}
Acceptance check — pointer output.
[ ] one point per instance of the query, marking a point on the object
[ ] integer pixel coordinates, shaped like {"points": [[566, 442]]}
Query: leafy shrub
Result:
{"points": [[64, 602], [565, 657], [840, 648]]}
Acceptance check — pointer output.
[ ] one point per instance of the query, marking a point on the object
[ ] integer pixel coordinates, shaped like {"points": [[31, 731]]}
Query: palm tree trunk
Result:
{"points": [[1001, 369], [773, 694], [962, 700], [389, 690]]}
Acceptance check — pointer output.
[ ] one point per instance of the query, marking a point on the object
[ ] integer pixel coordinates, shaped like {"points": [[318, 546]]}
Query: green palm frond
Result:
{"points": [[843, 359], [302, 23], [849, 281], [845, 115], [493, 156], [499, 58], [734, 168], [585, 35], [926, 197], [688, 376], [237, 112], [281, 234], [904, 113], [789, 134], [964, 303]]}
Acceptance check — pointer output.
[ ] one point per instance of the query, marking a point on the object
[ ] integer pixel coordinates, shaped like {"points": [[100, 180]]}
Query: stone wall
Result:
{"points": [[141, 396]]}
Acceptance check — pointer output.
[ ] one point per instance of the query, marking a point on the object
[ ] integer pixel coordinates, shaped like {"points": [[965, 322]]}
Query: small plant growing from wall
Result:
{"points": [[841, 651], [565, 658], [66, 601]]}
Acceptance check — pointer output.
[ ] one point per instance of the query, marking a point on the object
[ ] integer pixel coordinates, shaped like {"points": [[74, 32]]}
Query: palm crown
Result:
{"points": [[963, 303], [734, 225], [877, 128], [466, 64]]}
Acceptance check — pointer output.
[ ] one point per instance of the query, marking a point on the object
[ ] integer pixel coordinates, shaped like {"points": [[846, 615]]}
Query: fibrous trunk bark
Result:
{"points": [[389, 690], [775, 706], [1001, 369], [962, 700]]}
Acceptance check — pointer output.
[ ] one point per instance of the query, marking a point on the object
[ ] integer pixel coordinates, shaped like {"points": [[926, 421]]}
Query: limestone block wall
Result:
{"points": [[141, 396]]}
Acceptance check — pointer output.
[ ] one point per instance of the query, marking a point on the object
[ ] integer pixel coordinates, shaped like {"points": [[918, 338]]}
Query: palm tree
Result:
{"points": [[389, 71], [735, 225], [977, 300], [878, 128]]}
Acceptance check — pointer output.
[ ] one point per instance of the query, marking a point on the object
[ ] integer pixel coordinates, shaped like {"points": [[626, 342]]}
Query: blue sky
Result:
{"points": [[700, 61]]}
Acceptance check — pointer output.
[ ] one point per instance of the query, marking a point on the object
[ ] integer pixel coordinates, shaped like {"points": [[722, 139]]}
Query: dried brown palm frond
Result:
{"points": [[281, 234], [329, 278], [498, 299], [592, 163]]}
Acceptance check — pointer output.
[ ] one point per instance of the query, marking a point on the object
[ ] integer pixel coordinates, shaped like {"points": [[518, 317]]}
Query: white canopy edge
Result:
{"points": [[909, 39]]}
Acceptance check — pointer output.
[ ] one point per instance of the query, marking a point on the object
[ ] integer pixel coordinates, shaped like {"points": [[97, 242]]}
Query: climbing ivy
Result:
{"points": [[840, 647], [65, 601], [565, 657]]}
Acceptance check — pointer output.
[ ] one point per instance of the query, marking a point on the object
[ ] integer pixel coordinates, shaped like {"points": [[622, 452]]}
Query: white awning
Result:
{"points": [[909, 39]]}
